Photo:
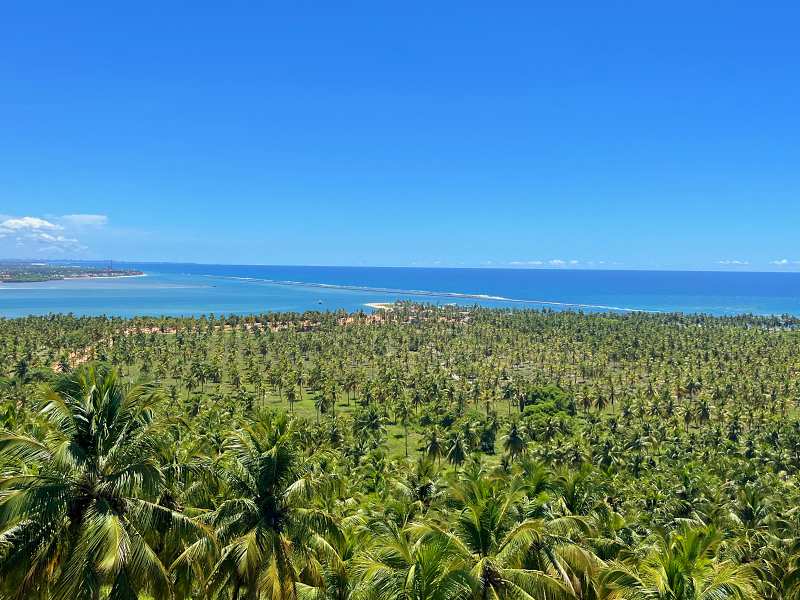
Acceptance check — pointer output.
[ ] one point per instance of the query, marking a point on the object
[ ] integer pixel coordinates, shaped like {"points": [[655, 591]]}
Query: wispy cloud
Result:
{"points": [[526, 263], [553, 262], [784, 262], [733, 263], [53, 239], [84, 220], [558, 262]]}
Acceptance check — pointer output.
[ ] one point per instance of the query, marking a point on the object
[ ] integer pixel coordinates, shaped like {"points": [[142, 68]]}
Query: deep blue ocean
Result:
{"points": [[193, 289]]}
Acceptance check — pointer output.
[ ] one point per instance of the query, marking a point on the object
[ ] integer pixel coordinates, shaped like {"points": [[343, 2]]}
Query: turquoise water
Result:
{"points": [[183, 289]]}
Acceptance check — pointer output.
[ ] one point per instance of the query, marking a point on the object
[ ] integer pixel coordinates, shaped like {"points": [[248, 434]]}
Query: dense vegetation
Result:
{"points": [[422, 453], [24, 272]]}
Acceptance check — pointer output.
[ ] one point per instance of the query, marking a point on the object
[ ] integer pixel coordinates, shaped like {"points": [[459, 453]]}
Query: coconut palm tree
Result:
{"points": [[681, 566], [456, 449], [433, 445], [328, 575], [79, 513], [508, 557], [399, 566], [403, 414], [267, 523], [513, 442]]}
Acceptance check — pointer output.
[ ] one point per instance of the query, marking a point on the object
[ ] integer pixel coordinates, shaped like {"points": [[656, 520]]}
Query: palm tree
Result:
{"points": [[513, 442], [420, 485], [370, 422], [400, 567], [320, 405], [506, 557], [403, 413], [267, 522], [456, 449], [328, 575], [681, 566], [291, 397], [433, 445], [81, 510]]}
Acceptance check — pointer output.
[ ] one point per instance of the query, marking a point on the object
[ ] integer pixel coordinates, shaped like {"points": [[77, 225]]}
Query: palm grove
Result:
{"points": [[423, 453]]}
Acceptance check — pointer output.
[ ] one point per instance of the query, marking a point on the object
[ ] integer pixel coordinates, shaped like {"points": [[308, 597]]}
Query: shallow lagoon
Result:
{"points": [[179, 289]]}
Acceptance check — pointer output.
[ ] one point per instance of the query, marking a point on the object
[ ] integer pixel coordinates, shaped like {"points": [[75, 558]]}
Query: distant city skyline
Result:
{"points": [[611, 136]]}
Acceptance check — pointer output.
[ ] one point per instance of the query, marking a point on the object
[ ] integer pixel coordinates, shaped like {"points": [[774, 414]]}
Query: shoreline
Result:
{"points": [[380, 305], [97, 277], [70, 278], [227, 300], [435, 294]]}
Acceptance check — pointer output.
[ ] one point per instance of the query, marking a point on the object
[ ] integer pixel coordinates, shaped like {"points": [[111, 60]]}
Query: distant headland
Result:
{"points": [[33, 272]]}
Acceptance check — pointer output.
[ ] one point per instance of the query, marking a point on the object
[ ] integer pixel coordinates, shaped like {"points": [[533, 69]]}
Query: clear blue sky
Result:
{"points": [[585, 134]]}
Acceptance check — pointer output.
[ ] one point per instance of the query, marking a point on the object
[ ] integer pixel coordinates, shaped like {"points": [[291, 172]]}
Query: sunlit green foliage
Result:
{"points": [[421, 452]]}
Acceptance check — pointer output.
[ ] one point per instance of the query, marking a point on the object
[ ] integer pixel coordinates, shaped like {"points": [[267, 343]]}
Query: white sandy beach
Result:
{"points": [[100, 277], [380, 305]]}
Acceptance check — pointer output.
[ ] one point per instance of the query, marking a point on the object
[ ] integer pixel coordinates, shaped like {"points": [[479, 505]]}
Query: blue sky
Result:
{"points": [[572, 135]]}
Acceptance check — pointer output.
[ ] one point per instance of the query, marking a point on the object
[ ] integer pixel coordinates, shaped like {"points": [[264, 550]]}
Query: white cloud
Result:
{"points": [[81, 220], [785, 262], [35, 233], [733, 263], [50, 249], [28, 224], [526, 263], [55, 239], [556, 262]]}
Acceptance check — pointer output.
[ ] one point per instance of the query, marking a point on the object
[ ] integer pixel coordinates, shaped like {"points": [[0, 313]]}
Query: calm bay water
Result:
{"points": [[189, 289]]}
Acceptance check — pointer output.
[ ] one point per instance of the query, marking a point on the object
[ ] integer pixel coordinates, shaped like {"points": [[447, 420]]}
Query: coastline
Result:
{"points": [[380, 305], [69, 278], [260, 291], [99, 277], [435, 294]]}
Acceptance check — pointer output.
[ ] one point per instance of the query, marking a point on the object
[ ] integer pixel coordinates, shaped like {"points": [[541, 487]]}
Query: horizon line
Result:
{"points": [[790, 269]]}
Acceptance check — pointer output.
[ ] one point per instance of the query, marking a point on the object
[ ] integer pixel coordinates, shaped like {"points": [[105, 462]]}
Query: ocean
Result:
{"points": [[194, 289]]}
